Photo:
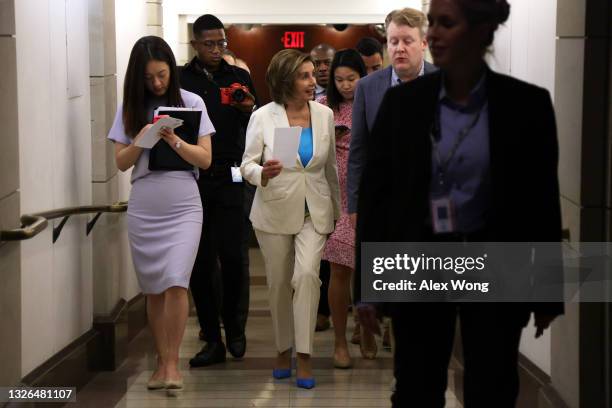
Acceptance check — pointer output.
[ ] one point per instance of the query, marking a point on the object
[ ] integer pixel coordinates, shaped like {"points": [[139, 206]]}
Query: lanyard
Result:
{"points": [[443, 164]]}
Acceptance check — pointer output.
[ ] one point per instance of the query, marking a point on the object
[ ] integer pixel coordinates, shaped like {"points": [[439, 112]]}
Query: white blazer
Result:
{"points": [[278, 208]]}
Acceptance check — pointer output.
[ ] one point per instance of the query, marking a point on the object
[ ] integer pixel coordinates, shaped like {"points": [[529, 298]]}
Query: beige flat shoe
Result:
{"points": [[156, 384], [174, 387]]}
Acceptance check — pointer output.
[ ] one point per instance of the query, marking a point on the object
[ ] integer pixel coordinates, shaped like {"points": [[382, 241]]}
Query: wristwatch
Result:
{"points": [[178, 144]]}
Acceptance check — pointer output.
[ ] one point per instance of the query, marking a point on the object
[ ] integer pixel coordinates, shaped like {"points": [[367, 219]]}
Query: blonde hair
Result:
{"points": [[282, 73], [408, 16]]}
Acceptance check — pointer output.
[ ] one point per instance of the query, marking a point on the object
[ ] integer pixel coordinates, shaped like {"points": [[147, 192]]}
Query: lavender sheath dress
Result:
{"points": [[164, 214]]}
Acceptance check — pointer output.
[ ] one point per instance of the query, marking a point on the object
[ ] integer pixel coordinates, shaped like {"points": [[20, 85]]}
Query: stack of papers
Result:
{"points": [[151, 137]]}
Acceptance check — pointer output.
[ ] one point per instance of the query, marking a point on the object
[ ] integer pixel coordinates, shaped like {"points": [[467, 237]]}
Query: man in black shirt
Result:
{"points": [[229, 96]]}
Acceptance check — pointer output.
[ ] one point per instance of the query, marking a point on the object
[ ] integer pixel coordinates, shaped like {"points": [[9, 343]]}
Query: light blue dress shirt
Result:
{"points": [[467, 178], [395, 79]]}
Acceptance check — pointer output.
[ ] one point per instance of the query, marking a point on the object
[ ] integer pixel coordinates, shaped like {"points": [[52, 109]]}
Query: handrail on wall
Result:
{"points": [[33, 224]]}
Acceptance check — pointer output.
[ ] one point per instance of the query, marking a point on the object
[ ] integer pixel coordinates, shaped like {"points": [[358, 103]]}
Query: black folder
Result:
{"points": [[162, 156]]}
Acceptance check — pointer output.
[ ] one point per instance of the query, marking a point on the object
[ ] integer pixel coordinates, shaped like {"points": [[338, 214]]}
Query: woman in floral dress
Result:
{"points": [[346, 70]]}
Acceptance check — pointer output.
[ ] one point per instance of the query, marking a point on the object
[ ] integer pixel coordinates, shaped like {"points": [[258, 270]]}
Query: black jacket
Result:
{"points": [[230, 123], [394, 190]]}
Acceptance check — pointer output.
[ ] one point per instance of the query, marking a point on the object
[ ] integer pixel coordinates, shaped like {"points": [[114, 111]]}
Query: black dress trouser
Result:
{"points": [[243, 303], [424, 334], [217, 291]]}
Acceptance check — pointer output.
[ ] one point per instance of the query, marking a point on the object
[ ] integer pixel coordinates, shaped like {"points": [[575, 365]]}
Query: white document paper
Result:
{"points": [[151, 137], [286, 144]]}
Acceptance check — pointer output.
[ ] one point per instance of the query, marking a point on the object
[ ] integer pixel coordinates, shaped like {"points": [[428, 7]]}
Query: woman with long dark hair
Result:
{"points": [[164, 211], [462, 155], [347, 68]]}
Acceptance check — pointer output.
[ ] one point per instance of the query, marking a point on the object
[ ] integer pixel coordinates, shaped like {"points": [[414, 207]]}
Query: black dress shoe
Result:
{"points": [[237, 346], [211, 353]]}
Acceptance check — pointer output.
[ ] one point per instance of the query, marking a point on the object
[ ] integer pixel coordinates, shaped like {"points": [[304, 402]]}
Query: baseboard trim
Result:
{"points": [[548, 397], [67, 368], [110, 349], [536, 388], [542, 393], [103, 347], [137, 315], [127, 319]]}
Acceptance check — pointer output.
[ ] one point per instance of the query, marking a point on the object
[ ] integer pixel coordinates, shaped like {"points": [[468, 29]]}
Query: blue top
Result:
{"points": [[305, 149], [467, 178]]}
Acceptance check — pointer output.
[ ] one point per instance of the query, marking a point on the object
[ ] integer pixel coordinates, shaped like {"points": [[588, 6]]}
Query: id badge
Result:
{"points": [[442, 215], [236, 176]]}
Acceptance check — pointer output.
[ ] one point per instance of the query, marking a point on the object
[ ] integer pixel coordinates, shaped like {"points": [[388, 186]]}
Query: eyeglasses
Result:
{"points": [[211, 45]]}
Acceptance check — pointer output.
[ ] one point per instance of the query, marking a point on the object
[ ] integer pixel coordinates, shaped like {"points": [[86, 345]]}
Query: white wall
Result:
{"points": [[55, 171], [130, 25], [277, 12], [525, 48]]}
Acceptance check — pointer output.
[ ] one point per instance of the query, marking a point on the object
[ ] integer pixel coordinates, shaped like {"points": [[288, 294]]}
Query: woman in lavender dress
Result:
{"points": [[164, 211]]}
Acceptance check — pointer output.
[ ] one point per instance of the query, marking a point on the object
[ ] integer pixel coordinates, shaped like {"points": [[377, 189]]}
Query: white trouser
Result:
{"points": [[292, 271]]}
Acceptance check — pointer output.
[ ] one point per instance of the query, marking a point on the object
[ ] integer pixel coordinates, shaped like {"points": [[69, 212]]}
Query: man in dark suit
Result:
{"points": [[406, 46]]}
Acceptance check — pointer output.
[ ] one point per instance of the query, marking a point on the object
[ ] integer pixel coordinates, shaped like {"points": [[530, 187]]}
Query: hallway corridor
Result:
{"points": [[248, 382]]}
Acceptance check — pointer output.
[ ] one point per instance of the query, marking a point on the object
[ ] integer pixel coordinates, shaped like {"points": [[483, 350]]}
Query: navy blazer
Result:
{"points": [[368, 96], [524, 203]]}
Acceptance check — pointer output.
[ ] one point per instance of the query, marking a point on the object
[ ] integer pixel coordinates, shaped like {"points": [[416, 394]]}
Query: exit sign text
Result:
{"points": [[293, 39]]}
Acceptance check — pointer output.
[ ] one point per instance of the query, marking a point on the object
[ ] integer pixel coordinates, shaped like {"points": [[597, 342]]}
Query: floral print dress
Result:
{"points": [[340, 247]]}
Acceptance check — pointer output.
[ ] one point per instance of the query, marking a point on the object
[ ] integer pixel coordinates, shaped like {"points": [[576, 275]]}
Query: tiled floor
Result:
{"points": [[248, 382]]}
